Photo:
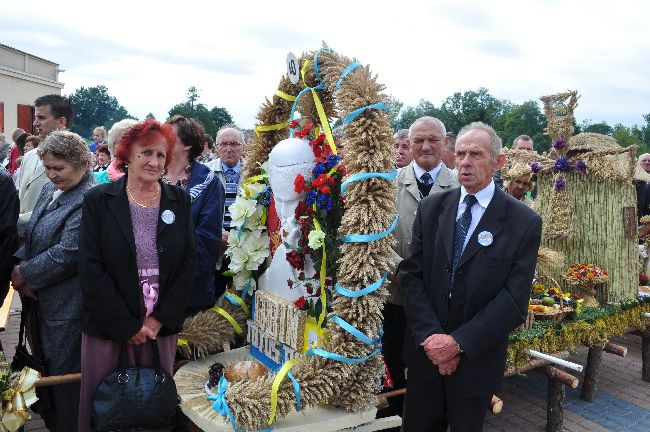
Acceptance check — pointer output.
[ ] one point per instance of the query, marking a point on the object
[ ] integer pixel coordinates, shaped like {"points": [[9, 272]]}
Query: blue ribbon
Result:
{"points": [[366, 175], [352, 66], [355, 331], [365, 238], [357, 112], [296, 391], [338, 357], [320, 79], [221, 406], [246, 288], [367, 290]]}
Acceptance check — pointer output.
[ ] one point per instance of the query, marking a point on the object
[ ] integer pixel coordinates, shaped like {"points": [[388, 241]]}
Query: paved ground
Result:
{"points": [[622, 403]]}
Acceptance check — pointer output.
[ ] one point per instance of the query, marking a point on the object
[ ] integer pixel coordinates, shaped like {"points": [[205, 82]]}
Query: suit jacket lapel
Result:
{"points": [[167, 203], [411, 183], [447, 220], [41, 205], [119, 207], [490, 222]]}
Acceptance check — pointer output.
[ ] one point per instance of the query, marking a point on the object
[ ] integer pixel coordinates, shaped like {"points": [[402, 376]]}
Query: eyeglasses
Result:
{"points": [[231, 144]]}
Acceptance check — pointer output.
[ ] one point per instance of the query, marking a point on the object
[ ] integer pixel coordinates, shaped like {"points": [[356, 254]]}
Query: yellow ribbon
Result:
{"points": [[16, 412], [229, 317], [240, 302], [285, 96], [284, 370], [182, 342], [321, 111], [268, 128], [323, 269]]}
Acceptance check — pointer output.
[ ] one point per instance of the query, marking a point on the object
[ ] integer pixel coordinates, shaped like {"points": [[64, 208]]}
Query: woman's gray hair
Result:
{"points": [[67, 146], [116, 132], [496, 144]]}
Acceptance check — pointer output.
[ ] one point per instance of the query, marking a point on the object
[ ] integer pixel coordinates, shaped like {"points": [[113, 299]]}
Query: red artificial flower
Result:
{"points": [[301, 303], [296, 260], [299, 184], [319, 140], [320, 181], [643, 278], [325, 190], [331, 181], [303, 210], [293, 124], [304, 132]]}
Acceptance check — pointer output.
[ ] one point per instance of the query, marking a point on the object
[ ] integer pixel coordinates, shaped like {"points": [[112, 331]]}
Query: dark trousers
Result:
{"points": [[392, 342], [431, 406]]}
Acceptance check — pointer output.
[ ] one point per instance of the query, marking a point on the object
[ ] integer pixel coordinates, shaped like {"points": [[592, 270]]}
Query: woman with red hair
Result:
{"points": [[136, 262]]}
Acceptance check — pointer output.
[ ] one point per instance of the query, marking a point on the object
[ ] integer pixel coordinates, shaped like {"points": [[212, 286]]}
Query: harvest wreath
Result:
{"points": [[345, 368]]}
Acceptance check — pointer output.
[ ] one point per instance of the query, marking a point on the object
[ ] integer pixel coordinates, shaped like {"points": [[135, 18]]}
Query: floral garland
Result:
{"points": [[319, 215], [248, 245]]}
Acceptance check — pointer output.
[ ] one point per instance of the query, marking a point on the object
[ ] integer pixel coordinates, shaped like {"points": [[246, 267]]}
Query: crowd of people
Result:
{"points": [[112, 244]]}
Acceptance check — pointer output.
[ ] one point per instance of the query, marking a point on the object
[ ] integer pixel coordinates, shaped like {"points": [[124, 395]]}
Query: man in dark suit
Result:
{"points": [[466, 284]]}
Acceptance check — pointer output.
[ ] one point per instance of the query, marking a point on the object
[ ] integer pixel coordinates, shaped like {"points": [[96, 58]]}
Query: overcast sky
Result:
{"points": [[149, 53]]}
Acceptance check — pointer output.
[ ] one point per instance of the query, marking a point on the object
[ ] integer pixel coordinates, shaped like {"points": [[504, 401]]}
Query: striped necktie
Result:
{"points": [[462, 227]]}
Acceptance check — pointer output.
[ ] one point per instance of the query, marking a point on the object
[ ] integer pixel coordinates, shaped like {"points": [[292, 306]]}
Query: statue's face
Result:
{"points": [[289, 158]]}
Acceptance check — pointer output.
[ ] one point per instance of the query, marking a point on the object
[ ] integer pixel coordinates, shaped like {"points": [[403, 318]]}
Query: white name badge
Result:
{"points": [[168, 217], [485, 238]]}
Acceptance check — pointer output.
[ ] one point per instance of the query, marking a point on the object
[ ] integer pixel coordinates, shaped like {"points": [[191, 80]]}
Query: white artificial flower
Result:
{"points": [[316, 238], [242, 278], [256, 246], [254, 189], [238, 259], [241, 209]]}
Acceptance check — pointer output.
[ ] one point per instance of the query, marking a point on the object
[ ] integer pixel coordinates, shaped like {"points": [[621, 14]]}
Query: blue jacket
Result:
{"points": [[207, 198]]}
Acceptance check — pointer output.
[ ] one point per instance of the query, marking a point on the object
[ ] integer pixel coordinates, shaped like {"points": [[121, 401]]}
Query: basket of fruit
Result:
{"points": [[548, 303]]}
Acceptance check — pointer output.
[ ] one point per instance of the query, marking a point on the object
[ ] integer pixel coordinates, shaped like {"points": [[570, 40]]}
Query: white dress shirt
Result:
{"points": [[419, 171], [484, 196]]}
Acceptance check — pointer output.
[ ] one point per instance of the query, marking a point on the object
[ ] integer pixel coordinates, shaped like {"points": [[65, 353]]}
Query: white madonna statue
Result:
{"points": [[288, 158]]}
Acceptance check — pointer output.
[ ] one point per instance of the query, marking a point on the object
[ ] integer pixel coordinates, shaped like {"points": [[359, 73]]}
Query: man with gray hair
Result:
{"points": [[228, 167], [644, 161], [425, 175], [402, 148], [466, 284]]}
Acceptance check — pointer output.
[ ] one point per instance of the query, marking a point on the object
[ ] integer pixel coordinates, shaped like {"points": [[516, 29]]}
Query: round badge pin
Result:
{"points": [[485, 238], [168, 217]]}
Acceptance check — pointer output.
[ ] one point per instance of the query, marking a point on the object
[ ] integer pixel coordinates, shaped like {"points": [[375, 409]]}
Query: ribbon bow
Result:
{"points": [[15, 412]]}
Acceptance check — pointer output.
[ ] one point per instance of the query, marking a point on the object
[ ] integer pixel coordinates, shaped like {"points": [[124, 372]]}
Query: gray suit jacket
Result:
{"points": [[408, 198], [49, 252]]}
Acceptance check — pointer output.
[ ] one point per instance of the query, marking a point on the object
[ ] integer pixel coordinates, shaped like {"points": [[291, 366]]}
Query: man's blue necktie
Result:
{"points": [[462, 226], [426, 178]]}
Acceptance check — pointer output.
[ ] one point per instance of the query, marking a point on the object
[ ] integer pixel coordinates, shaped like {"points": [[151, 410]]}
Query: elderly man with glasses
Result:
{"points": [[228, 167]]}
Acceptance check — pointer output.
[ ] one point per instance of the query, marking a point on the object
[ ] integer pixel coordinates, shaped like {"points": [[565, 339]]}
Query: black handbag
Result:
{"points": [[23, 358], [135, 398]]}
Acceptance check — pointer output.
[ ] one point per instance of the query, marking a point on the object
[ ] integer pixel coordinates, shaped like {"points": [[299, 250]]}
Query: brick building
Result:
{"points": [[23, 78]]}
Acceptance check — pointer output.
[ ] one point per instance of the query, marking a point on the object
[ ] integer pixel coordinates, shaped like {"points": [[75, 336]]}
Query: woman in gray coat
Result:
{"points": [[46, 273]]}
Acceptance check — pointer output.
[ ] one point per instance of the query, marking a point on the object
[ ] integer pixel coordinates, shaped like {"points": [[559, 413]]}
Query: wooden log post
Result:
{"points": [[615, 349], [555, 405], [562, 376], [592, 373], [645, 355]]}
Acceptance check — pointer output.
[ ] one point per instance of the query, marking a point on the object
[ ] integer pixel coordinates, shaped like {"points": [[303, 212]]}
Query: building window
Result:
{"points": [[26, 118]]}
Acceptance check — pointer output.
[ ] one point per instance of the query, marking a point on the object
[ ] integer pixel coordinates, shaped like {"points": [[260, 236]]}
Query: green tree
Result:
{"points": [[221, 117], [460, 109], [191, 108], [93, 107], [409, 114], [601, 127], [525, 119]]}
